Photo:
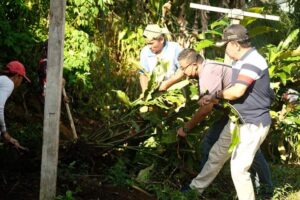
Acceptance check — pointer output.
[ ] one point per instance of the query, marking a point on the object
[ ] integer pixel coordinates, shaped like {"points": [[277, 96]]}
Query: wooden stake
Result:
{"points": [[75, 137]]}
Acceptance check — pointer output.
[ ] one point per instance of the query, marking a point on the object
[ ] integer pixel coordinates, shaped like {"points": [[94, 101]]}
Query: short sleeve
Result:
{"points": [[248, 74], [178, 49], [143, 61], [211, 79]]}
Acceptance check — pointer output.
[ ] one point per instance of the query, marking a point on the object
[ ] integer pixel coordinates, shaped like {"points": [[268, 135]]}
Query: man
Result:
{"points": [[10, 78], [159, 49], [251, 96], [42, 74], [214, 76], [291, 96]]}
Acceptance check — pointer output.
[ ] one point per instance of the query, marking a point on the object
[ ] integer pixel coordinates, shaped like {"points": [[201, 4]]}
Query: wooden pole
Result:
{"points": [[52, 100]]}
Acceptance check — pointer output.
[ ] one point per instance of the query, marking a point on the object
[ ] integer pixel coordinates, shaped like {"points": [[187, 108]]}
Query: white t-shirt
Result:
{"points": [[170, 52], [6, 88]]}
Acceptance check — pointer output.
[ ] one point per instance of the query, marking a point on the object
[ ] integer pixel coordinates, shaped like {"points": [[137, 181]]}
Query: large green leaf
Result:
{"points": [[152, 85], [123, 97], [259, 30], [288, 68], [169, 137], [235, 137], [249, 20], [292, 120], [161, 69], [287, 54], [256, 9], [122, 34], [282, 77], [213, 32], [179, 85], [144, 174], [218, 23], [273, 56], [204, 44], [194, 91], [291, 38], [271, 70]]}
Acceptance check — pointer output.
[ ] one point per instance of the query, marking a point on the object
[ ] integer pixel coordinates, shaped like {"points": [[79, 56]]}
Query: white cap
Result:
{"points": [[153, 31]]}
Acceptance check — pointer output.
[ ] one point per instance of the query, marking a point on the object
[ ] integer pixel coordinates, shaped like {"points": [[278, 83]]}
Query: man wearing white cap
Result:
{"points": [[10, 78], [159, 49]]}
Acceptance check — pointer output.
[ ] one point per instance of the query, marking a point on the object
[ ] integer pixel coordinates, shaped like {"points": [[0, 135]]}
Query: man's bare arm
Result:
{"points": [[200, 114], [171, 81], [234, 92]]}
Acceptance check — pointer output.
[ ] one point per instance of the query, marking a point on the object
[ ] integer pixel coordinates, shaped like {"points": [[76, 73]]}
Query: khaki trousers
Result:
{"points": [[251, 137]]}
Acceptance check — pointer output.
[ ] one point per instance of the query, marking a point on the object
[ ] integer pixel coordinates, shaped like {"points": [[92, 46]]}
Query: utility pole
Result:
{"points": [[235, 16], [53, 100]]}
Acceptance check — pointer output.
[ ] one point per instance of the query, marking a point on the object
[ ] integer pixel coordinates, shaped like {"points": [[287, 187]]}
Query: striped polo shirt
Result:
{"points": [[252, 71]]}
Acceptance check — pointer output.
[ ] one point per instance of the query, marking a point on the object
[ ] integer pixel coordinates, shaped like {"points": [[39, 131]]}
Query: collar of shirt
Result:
{"points": [[151, 54]]}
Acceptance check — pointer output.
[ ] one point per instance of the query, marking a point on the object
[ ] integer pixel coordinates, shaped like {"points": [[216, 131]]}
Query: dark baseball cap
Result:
{"points": [[234, 32]]}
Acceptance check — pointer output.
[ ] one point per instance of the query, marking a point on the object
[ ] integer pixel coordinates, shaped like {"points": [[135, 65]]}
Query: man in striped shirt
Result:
{"points": [[251, 96]]}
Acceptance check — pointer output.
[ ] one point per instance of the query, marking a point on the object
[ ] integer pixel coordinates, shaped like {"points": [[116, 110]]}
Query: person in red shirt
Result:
{"points": [[42, 74]]}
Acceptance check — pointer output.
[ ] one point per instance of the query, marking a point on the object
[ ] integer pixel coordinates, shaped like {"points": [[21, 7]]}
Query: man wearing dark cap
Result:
{"points": [[251, 96], [10, 78], [159, 49]]}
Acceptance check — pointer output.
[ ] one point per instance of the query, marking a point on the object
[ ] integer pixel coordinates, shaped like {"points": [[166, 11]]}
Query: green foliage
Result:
{"points": [[79, 53], [283, 176], [101, 62], [18, 23], [283, 63], [144, 174], [283, 59], [165, 192], [117, 174], [68, 196], [173, 98], [287, 136], [282, 193], [129, 42]]}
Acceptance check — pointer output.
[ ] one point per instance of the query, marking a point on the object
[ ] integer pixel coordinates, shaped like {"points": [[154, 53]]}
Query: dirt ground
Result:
{"points": [[115, 193], [25, 188], [20, 172]]}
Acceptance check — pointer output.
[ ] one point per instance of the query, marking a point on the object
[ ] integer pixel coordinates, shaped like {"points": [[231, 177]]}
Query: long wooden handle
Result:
{"points": [[70, 116]]}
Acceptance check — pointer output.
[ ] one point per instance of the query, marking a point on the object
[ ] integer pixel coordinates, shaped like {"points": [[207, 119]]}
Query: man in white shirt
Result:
{"points": [[10, 78], [159, 49]]}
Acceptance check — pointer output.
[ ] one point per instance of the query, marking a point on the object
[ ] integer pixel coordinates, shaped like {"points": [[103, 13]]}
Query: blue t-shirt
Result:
{"points": [[170, 52], [253, 106]]}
